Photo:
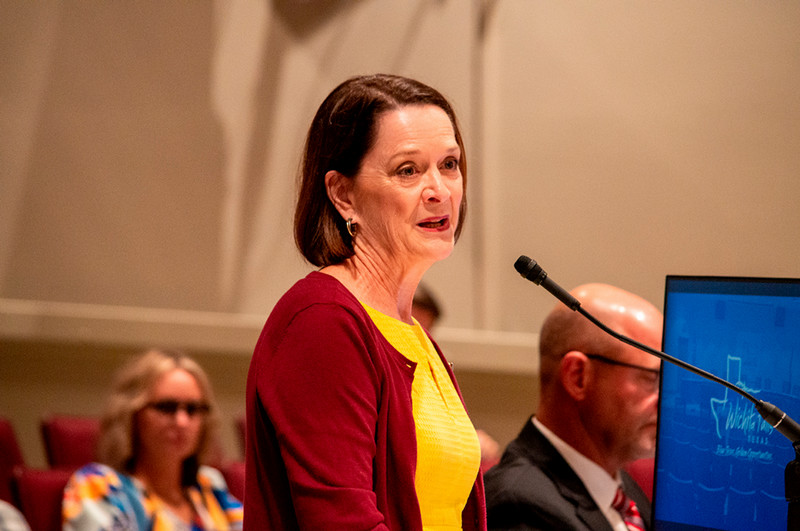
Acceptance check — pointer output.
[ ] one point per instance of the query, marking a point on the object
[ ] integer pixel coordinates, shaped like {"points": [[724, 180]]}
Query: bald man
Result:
{"points": [[597, 413]]}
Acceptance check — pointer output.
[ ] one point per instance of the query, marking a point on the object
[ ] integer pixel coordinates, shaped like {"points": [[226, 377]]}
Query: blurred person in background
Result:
{"points": [[11, 519], [160, 421], [425, 308]]}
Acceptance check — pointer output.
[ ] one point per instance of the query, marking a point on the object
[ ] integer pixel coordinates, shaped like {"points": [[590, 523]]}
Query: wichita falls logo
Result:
{"points": [[738, 419]]}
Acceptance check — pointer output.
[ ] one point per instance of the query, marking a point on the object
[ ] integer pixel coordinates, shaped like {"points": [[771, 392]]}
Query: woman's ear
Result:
{"points": [[573, 373], [339, 188]]}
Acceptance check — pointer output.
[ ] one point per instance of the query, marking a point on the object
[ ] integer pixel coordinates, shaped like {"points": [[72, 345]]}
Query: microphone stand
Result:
{"points": [[776, 418], [792, 488]]}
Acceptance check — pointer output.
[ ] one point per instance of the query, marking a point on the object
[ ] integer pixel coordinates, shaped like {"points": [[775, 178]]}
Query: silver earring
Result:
{"points": [[351, 227]]}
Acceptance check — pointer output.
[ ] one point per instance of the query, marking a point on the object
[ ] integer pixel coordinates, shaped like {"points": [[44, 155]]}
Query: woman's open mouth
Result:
{"points": [[436, 224]]}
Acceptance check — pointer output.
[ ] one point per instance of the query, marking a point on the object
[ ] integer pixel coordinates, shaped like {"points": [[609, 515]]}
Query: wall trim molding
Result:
{"points": [[229, 333]]}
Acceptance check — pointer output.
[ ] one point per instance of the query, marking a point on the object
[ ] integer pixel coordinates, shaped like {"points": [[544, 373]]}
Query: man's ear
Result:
{"points": [[573, 374], [339, 188]]}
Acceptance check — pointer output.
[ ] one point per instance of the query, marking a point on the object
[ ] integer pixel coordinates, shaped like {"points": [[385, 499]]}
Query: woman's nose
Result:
{"points": [[435, 188], [182, 417]]}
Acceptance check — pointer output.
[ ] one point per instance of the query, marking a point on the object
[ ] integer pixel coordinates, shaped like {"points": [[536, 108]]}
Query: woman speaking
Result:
{"points": [[354, 419]]}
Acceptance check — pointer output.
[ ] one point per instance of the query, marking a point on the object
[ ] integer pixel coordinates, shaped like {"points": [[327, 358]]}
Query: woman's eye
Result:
{"points": [[406, 171], [451, 164]]}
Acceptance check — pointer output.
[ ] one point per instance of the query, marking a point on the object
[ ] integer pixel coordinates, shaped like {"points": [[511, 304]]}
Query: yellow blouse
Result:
{"points": [[448, 452]]}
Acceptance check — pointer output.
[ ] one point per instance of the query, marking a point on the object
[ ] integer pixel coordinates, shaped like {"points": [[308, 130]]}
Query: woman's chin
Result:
{"points": [[440, 252]]}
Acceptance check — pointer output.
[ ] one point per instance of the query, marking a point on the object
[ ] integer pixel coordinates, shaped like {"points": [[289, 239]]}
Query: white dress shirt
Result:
{"points": [[601, 486]]}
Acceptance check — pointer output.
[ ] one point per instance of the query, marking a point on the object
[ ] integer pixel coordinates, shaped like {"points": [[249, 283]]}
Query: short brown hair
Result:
{"points": [[341, 134]]}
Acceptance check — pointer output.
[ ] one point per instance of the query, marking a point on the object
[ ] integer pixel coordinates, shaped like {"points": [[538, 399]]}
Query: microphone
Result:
{"points": [[529, 269], [776, 418]]}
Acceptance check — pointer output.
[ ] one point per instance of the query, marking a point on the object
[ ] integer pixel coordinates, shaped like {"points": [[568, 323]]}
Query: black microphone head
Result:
{"points": [[524, 264], [528, 268], [532, 271]]}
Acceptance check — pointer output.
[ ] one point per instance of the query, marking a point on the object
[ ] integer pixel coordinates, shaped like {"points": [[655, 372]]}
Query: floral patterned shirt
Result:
{"points": [[98, 497]]}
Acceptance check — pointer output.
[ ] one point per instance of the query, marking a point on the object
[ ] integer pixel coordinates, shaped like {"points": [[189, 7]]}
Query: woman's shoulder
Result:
{"points": [[99, 497], [211, 477], [97, 472], [97, 480], [318, 284], [212, 481], [314, 289], [91, 490]]}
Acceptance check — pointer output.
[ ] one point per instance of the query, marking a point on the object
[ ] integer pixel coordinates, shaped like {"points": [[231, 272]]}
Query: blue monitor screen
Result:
{"points": [[719, 465]]}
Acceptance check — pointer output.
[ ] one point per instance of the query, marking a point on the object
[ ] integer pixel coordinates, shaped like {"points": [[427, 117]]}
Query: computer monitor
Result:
{"points": [[719, 465]]}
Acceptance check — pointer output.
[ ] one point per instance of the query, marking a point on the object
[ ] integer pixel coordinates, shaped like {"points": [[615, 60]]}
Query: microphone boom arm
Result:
{"points": [[776, 418], [769, 412]]}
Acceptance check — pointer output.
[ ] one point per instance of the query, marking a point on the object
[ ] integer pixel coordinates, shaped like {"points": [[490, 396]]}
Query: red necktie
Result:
{"points": [[630, 513]]}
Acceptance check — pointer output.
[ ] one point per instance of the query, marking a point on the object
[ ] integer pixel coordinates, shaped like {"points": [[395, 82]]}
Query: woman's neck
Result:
{"points": [[162, 479], [390, 294]]}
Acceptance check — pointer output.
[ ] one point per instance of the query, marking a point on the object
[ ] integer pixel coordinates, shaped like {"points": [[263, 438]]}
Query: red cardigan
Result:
{"points": [[330, 432]]}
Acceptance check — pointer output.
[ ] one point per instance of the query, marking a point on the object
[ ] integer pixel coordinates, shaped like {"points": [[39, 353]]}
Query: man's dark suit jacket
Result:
{"points": [[533, 487]]}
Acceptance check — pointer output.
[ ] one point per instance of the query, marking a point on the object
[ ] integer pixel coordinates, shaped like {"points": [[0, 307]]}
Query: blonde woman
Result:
{"points": [[159, 421]]}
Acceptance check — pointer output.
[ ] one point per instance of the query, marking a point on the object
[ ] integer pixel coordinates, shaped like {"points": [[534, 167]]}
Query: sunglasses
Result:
{"points": [[171, 407]]}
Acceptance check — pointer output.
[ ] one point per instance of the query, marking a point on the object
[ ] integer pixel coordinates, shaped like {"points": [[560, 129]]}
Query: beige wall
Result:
{"points": [[147, 151], [631, 140]]}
